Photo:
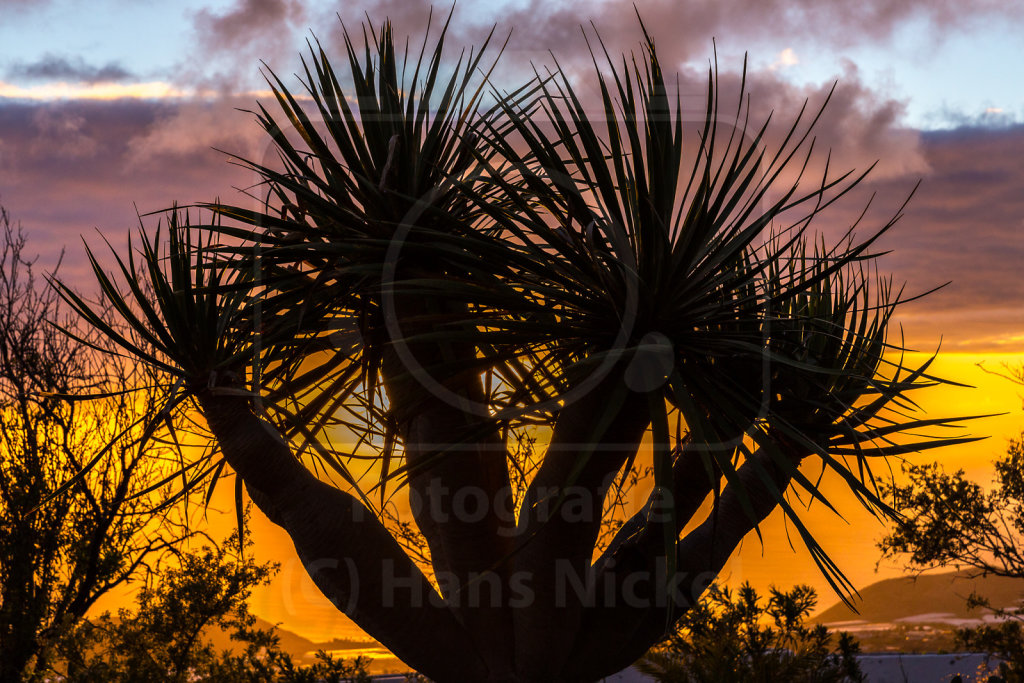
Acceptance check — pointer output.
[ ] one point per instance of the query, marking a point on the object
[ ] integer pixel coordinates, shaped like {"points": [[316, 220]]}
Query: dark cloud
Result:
{"points": [[963, 226], [63, 133], [685, 29], [966, 225], [990, 117], [247, 19], [232, 43], [69, 168], [53, 67]]}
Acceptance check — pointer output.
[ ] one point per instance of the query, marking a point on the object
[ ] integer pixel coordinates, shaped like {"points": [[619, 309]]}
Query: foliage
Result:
{"points": [[429, 275], [166, 636], [949, 520], [740, 638], [78, 483], [1002, 640]]}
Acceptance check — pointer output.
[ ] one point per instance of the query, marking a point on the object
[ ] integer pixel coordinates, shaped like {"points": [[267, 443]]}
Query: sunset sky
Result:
{"points": [[112, 106]]}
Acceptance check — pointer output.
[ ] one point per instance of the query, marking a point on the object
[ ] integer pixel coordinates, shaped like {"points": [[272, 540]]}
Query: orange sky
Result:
{"points": [[78, 152], [295, 602], [852, 543]]}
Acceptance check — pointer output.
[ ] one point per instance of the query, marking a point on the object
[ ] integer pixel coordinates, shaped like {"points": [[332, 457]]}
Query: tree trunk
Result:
{"points": [[345, 549]]}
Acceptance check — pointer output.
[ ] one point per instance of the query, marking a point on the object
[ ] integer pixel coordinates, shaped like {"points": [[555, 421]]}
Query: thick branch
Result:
{"points": [[650, 603], [642, 534], [561, 517], [459, 484], [348, 553]]}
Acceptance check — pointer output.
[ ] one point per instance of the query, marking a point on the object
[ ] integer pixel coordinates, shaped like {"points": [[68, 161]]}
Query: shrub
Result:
{"points": [[737, 637]]}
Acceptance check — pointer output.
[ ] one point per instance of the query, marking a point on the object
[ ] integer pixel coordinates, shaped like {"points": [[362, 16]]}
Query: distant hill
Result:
{"points": [[291, 643], [943, 596], [303, 649], [932, 594]]}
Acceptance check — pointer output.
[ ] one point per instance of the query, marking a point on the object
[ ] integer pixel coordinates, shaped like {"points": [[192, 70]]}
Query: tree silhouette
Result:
{"points": [[948, 520], [167, 636], [738, 637], [76, 509], [440, 265]]}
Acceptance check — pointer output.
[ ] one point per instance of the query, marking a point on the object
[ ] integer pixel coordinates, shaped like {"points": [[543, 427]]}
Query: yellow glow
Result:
{"points": [[851, 542], [153, 90], [95, 91], [294, 601], [784, 60]]}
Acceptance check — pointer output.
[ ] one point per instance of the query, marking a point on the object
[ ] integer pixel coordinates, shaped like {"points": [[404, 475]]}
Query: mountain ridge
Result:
{"points": [[905, 597]]}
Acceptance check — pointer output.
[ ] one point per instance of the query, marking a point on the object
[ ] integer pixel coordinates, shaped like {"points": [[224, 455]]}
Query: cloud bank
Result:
{"points": [[53, 67], [68, 167]]}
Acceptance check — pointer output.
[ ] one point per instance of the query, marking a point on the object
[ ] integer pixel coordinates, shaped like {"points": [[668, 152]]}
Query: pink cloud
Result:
{"points": [[194, 127], [231, 44], [247, 19], [68, 167], [684, 30]]}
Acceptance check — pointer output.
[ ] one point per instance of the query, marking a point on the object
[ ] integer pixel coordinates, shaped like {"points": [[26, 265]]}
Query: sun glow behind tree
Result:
{"points": [[573, 288]]}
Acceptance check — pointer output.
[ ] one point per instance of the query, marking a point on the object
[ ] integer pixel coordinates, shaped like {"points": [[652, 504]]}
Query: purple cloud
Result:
{"points": [[53, 67], [685, 30], [68, 167], [232, 43], [245, 20]]}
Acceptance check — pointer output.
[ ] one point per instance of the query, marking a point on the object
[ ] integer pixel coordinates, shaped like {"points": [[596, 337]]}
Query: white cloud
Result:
{"points": [[784, 60]]}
